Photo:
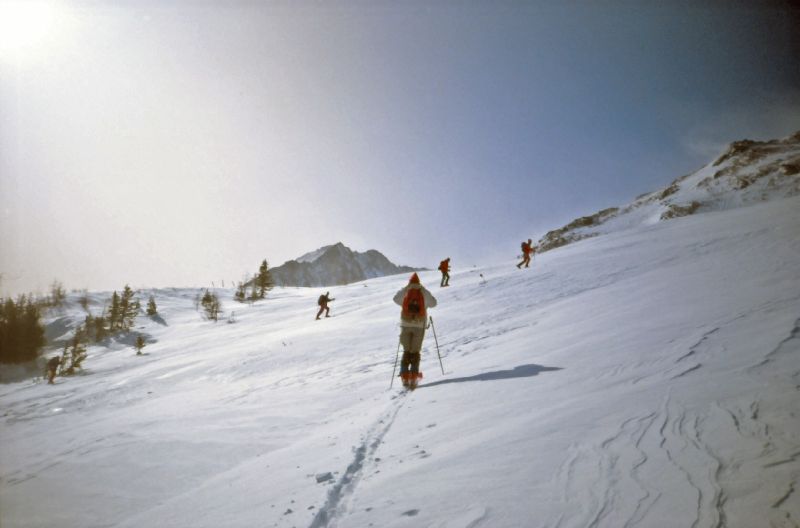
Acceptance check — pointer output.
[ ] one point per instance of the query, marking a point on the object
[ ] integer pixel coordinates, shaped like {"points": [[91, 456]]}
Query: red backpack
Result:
{"points": [[414, 304], [443, 266]]}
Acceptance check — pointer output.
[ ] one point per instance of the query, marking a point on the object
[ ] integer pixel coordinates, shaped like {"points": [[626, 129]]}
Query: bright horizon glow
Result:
{"points": [[25, 26], [179, 143]]}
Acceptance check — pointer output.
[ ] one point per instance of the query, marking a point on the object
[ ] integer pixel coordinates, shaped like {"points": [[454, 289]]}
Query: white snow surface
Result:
{"points": [[645, 378]]}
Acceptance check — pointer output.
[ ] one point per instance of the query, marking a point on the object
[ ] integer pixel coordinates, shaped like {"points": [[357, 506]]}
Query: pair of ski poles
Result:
{"points": [[430, 319]]}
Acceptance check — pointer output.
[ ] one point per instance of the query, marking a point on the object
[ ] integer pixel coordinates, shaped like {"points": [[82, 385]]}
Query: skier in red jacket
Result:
{"points": [[415, 300]]}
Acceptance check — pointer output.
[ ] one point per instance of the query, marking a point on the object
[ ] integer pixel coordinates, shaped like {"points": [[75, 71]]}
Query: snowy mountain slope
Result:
{"points": [[644, 378], [335, 265], [747, 172]]}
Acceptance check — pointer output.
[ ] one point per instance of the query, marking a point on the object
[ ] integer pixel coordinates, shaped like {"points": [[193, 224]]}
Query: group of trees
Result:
{"points": [[119, 315], [259, 285], [22, 334], [21, 330]]}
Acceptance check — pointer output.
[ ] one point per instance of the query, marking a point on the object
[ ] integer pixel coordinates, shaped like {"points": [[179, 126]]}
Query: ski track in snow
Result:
{"points": [[364, 456]]}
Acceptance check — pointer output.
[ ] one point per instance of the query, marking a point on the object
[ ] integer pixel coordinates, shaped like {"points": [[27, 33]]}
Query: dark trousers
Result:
{"points": [[411, 340], [526, 259], [445, 279], [323, 308]]}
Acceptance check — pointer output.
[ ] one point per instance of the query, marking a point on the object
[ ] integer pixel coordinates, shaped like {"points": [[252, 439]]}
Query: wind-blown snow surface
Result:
{"points": [[645, 378]]}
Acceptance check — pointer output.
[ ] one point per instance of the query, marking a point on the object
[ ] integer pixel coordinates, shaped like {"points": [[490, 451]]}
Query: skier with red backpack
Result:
{"points": [[527, 251], [415, 301], [444, 267]]}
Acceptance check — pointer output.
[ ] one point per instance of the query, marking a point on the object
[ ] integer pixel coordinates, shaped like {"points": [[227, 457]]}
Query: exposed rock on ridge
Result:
{"points": [[747, 172]]}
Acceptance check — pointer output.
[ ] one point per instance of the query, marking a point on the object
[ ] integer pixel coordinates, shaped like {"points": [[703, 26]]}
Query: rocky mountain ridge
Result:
{"points": [[747, 172]]}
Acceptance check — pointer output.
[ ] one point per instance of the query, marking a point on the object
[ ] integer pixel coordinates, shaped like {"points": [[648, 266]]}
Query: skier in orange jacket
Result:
{"points": [[444, 267], [527, 251]]}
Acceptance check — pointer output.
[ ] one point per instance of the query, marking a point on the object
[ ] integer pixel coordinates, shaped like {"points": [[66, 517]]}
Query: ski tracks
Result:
{"points": [[340, 495]]}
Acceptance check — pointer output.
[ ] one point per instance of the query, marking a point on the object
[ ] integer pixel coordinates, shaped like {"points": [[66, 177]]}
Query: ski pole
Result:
{"points": [[395, 364], [437, 345]]}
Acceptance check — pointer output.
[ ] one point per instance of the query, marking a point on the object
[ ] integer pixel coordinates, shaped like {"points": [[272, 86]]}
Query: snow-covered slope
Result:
{"points": [[647, 378], [747, 172], [335, 265]]}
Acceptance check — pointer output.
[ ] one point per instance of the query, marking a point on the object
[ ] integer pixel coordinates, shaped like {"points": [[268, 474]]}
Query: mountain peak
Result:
{"points": [[333, 265]]}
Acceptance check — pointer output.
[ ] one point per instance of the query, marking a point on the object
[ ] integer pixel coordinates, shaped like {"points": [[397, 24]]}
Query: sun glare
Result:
{"points": [[25, 25]]}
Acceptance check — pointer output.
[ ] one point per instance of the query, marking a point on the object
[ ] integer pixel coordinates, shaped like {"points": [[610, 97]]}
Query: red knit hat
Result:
{"points": [[414, 279]]}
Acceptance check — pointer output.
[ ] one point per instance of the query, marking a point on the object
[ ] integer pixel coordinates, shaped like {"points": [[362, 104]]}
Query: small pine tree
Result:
{"points": [[152, 309], [77, 350], [263, 281], [211, 305], [63, 365], [241, 293], [83, 300], [140, 344], [129, 309], [57, 294], [115, 313]]}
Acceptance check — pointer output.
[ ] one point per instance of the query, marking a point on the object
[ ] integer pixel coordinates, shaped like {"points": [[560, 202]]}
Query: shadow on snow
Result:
{"points": [[522, 371]]}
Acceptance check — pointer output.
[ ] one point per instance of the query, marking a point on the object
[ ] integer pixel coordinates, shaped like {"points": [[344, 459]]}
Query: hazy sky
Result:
{"points": [[180, 142]]}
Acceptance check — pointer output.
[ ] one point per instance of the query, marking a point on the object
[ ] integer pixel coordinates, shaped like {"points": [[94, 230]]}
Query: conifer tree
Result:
{"points": [[129, 309], [84, 301], [241, 294], [211, 305], [74, 353], [152, 309], [77, 350], [140, 344], [115, 313], [57, 294], [63, 365], [263, 281]]}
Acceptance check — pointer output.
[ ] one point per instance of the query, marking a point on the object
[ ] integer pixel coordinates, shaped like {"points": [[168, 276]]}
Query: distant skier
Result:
{"points": [[415, 301], [52, 368], [527, 251], [323, 304], [444, 267]]}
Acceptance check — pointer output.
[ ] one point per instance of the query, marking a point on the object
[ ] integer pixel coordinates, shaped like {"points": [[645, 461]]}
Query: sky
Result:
{"points": [[180, 143]]}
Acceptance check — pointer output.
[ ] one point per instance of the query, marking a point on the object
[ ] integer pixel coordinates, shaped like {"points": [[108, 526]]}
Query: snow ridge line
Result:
{"points": [[364, 453]]}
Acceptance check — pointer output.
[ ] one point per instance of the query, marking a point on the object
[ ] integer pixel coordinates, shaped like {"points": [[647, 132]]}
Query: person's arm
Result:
{"points": [[398, 297], [430, 300]]}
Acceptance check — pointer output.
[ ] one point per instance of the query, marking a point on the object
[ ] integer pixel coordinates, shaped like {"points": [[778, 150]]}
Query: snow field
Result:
{"points": [[643, 378]]}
